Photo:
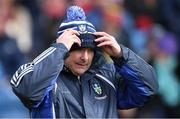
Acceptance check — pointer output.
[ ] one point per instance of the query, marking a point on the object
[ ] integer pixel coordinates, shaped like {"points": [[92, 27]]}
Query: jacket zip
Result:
{"points": [[81, 91], [79, 80]]}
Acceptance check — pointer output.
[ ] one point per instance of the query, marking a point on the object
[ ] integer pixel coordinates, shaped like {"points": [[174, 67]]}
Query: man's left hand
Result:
{"points": [[109, 44]]}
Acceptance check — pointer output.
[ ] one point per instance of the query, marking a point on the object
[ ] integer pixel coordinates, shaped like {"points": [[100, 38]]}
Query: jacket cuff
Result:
{"points": [[122, 60]]}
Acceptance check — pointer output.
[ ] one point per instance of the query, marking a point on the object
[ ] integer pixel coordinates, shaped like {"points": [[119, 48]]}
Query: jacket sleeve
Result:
{"points": [[138, 82], [34, 80]]}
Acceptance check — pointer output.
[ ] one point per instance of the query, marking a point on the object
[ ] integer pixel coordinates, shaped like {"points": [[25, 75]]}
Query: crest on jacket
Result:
{"points": [[97, 88]]}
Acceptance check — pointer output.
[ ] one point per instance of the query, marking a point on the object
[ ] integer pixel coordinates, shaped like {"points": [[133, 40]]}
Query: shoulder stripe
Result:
{"points": [[17, 77], [15, 81], [12, 82], [44, 56], [43, 53], [22, 67], [27, 68], [14, 78], [24, 71], [106, 80]]}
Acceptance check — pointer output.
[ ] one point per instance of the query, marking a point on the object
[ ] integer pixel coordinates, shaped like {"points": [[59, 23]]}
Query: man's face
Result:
{"points": [[79, 60]]}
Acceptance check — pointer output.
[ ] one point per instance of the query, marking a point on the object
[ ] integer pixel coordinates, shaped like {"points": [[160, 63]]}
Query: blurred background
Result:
{"points": [[151, 28]]}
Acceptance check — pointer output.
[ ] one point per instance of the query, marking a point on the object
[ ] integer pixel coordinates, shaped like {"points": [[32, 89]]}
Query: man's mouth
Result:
{"points": [[82, 64]]}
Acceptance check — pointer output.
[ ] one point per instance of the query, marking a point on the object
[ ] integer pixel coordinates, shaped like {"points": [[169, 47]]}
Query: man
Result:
{"points": [[75, 79]]}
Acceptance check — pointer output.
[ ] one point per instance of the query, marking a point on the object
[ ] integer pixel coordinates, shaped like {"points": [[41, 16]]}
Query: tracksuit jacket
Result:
{"points": [[49, 90]]}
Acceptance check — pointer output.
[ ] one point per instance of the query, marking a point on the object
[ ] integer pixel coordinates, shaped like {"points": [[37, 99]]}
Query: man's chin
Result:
{"points": [[79, 73]]}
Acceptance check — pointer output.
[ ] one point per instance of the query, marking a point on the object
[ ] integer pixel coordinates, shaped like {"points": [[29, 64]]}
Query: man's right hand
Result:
{"points": [[68, 38]]}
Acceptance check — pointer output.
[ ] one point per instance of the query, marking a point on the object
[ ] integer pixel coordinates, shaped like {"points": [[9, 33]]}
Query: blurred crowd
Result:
{"points": [[151, 28]]}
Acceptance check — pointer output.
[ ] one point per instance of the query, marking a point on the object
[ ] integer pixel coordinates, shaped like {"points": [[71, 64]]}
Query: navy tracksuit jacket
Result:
{"points": [[50, 90]]}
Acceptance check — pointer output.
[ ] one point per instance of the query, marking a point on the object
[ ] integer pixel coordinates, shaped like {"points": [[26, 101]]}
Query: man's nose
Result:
{"points": [[84, 55]]}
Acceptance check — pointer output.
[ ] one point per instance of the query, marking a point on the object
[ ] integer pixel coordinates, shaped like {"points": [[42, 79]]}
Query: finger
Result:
{"points": [[72, 32], [76, 40], [76, 37], [106, 43], [101, 34], [102, 39], [75, 32]]}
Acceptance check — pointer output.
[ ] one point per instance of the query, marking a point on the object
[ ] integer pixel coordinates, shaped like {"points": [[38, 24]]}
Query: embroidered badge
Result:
{"points": [[97, 88], [82, 28]]}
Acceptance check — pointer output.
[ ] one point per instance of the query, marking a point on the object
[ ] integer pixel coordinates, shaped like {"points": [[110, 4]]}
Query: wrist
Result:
{"points": [[119, 53], [118, 59]]}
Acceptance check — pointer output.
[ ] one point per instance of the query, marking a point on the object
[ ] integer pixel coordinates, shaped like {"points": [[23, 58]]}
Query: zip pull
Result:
{"points": [[79, 79]]}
